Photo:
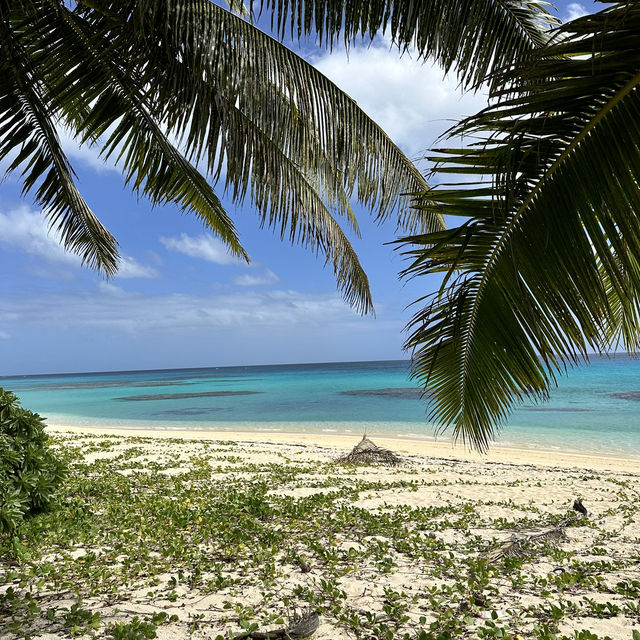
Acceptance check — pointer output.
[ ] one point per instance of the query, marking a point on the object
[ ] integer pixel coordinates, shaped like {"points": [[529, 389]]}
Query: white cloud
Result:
{"points": [[111, 289], [154, 258], [574, 11], [28, 231], [410, 100], [87, 154], [203, 246], [111, 308], [268, 277], [4, 335], [130, 268]]}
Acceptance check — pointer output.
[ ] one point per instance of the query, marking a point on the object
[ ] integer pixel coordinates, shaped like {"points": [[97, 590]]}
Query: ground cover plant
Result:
{"points": [[215, 539], [29, 472]]}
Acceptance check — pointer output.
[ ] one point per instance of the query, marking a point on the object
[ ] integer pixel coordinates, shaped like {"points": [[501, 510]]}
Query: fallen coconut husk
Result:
{"points": [[366, 452]]}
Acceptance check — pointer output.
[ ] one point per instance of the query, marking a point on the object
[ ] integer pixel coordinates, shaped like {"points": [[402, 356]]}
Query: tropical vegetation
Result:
{"points": [[206, 539], [30, 473]]}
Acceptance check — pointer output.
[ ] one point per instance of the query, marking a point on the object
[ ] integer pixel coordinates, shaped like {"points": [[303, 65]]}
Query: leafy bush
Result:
{"points": [[29, 472]]}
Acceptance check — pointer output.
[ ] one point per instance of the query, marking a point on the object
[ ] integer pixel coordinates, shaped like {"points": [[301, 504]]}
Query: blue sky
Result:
{"points": [[179, 299]]}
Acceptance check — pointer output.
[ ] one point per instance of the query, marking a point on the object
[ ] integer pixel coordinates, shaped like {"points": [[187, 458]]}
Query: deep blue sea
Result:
{"points": [[594, 408]]}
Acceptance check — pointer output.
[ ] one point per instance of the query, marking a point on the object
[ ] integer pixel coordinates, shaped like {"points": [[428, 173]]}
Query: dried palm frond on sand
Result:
{"points": [[304, 627], [367, 452], [518, 544]]}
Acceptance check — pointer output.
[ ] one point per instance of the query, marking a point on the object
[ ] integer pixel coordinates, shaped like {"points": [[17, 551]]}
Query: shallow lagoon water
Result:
{"points": [[595, 408]]}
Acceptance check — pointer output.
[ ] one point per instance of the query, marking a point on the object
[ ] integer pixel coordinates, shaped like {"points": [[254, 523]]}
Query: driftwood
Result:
{"points": [[304, 627], [517, 545], [366, 452]]}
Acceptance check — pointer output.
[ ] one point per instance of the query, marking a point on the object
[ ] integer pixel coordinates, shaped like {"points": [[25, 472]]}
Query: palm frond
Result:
{"points": [[307, 215], [243, 108], [204, 47], [115, 102], [471, 37], [29, 138], [520, 543], [544, 269], [255, 164]]}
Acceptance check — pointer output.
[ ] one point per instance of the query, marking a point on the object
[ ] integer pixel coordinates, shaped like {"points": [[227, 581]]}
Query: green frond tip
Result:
{"points": [[544, 268]]}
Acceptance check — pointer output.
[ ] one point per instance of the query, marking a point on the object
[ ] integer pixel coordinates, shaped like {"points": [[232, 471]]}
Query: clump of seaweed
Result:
{"points": [[367, 452]]}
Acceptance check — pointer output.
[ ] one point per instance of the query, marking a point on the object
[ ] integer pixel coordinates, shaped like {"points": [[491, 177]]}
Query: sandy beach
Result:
{"points": [[205, 535], [418, 446]]}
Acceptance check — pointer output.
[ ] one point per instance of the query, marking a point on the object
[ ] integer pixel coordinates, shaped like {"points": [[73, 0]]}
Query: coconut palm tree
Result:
{"points": [[544, 266], [184, 94]]}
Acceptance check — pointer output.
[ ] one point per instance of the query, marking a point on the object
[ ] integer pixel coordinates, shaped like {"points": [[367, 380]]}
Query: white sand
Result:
{"points": [[504, 485], [420, 447]]}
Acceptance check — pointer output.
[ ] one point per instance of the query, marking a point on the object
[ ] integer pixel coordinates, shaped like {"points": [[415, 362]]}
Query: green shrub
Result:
{"points": [[29, 472]]}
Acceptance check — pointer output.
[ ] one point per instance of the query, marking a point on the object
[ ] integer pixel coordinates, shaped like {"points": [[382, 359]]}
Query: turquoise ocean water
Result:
{"points": [[595, 408]]}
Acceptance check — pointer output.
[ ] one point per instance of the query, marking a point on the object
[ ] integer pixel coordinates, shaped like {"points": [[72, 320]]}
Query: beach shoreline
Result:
{"points": [[582, 418], [202, 535], [401, 444]]}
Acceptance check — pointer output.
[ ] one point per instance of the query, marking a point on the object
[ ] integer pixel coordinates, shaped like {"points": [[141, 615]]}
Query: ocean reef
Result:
{"points": [[634, 396]]}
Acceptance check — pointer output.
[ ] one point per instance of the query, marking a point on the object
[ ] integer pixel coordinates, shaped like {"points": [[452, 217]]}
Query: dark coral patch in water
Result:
{"points": [[392, 392], [180, 396], [634, 396]]}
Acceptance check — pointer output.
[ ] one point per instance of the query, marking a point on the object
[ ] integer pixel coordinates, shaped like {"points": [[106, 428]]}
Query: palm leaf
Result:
{"points": [[256, 163], [133, 76], [206, 48], [99, 98], [472, 37], [28, 136], [544, 269], [521, 542]]}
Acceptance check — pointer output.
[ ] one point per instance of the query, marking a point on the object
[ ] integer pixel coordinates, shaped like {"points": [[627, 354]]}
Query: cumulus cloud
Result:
{"points": [[111, 308], [27, 231], [575, 10], [204, 246], [268, 277], [85, 153], [130, 268], [410, 100]]}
